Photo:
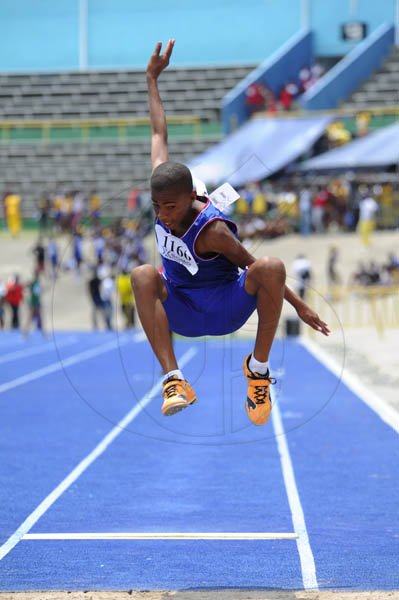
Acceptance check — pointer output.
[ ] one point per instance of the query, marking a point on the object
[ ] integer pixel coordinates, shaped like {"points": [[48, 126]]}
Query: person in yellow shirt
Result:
{"points": [[126, 298], [13, 213]]}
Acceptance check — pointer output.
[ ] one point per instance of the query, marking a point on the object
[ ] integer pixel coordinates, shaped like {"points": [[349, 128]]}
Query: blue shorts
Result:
{"points": [[217, 310]]}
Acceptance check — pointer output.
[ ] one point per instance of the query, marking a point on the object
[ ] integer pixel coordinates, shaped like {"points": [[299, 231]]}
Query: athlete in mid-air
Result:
{"points": [[210, 284]]}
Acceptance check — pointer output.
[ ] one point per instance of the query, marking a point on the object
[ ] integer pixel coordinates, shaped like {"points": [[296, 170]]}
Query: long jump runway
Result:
{"points": [[99, 491]]}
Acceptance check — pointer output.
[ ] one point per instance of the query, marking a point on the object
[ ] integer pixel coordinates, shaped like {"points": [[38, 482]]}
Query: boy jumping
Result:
{"points": [[201, 290]]}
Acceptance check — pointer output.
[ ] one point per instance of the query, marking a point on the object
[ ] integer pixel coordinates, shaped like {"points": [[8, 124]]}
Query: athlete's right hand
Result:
{"points": [[158, 62]]}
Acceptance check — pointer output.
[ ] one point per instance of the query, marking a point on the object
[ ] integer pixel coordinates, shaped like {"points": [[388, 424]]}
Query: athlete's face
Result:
{"points": [[173, 208]]}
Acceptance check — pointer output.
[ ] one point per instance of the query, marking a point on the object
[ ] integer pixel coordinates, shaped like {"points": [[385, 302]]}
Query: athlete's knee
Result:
{"points": [[271, 267], [143, 277]]}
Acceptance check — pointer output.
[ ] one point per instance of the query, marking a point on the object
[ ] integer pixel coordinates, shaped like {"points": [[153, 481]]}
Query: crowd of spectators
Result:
{"points": [[259, 97], [100, 258], [270, 209], [373, 273]]}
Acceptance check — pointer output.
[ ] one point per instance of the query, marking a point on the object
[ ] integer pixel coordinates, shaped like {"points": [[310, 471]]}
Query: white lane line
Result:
{"points": [[64, 362], [308, 567], [219, 535], [388, 414], [43, 507], [47, 347]]}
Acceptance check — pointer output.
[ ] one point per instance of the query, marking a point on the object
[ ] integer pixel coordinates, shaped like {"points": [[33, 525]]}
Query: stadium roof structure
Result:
{"points": [[378, 149], [260, 148]]}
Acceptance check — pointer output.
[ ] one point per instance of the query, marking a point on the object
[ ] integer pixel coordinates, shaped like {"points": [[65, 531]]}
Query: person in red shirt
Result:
{"points": [[319, 206], [14, 297], [259, 97], [287, 95]]}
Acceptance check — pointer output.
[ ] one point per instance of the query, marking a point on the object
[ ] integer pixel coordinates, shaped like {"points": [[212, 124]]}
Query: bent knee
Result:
{"points": [[271, 267], [143, 275]]}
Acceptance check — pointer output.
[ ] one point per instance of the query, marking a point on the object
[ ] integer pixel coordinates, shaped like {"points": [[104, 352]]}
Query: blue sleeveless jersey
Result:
{"points": [[182, 266]]}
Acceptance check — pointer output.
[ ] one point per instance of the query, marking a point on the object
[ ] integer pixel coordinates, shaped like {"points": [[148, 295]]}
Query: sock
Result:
{"points": [[258, 367], [176, 373]]}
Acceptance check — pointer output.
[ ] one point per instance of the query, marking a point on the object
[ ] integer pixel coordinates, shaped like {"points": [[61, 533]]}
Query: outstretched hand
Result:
{"points": [[312, 319], [158, 62]]}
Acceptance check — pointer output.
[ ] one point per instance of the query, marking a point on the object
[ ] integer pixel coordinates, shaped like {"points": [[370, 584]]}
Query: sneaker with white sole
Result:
{"points": [[177, 394]]}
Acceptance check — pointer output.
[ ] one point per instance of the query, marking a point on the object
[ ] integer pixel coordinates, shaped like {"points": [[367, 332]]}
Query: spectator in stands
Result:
{"points": [[305, 79], [333, 277], [287, 95], [107, 290], [52, 254], [126, 297], [99, 244], [35, 316], [94, 208], [3, 292], [317, 71], [305, 210], [362, 123], [302, 270], [318, 210], [392, 267], [14, 297], [77, 251], [259, 97], [12, 204], [95, 297], [78, 207], [39, 252], [133, 203], [44, 211], [368, 209], [337, 134]]}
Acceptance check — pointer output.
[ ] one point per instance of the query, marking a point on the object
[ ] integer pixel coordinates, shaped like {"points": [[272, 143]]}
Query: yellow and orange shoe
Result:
{"points": [[258, 404], [177, 395]]}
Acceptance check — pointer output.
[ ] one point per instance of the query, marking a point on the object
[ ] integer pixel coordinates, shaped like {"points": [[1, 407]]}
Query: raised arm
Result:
{"points": [[159, 130]]}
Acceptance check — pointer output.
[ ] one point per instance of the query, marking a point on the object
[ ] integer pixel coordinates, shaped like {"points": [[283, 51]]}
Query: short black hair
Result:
{"points": [[171, 175]]}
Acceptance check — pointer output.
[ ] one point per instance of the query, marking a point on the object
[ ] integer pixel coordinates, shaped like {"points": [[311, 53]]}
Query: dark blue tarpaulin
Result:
{"points": [[258, 149], [379, 148]]}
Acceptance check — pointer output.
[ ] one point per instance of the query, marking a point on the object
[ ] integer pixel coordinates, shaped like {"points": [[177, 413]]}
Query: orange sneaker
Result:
{"points": [[177, 395], [258, 404]]}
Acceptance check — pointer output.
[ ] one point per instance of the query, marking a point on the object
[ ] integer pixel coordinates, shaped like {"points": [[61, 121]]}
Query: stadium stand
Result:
{"points": [[110, 166], [382, 89], [115, 93]]}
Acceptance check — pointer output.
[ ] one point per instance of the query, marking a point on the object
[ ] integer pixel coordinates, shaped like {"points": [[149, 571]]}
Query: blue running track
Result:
{"points": [[85, 450]]}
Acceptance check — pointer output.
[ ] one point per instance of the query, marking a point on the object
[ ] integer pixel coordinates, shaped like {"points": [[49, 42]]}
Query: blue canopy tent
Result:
{"points": [[378, 149], [258, 149]]}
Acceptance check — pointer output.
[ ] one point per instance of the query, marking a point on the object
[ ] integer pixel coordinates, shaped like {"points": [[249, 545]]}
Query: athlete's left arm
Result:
{"points": [[218, 238], [307, 314]]}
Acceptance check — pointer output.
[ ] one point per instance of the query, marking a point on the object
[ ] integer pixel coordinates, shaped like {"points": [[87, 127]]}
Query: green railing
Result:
{"points": [[188, 127], [379, 115], [87, 130]]}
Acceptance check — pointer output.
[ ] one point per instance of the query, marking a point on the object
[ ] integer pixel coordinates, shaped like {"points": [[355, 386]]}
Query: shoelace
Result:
{"points": [[261, 391], [171, 390]]}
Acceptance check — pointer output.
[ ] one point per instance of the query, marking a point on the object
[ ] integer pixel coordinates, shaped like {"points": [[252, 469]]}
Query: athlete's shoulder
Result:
{"points": [[214, 237]]}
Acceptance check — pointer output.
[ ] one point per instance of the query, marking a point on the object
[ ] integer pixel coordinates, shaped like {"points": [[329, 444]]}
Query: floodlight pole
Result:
{"points": [[397, 23], [83, 35], [305, 14]]}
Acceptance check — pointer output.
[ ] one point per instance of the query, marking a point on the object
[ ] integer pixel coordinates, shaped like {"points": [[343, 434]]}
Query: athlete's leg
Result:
{"points": [[149, 292], [266, 280]]}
